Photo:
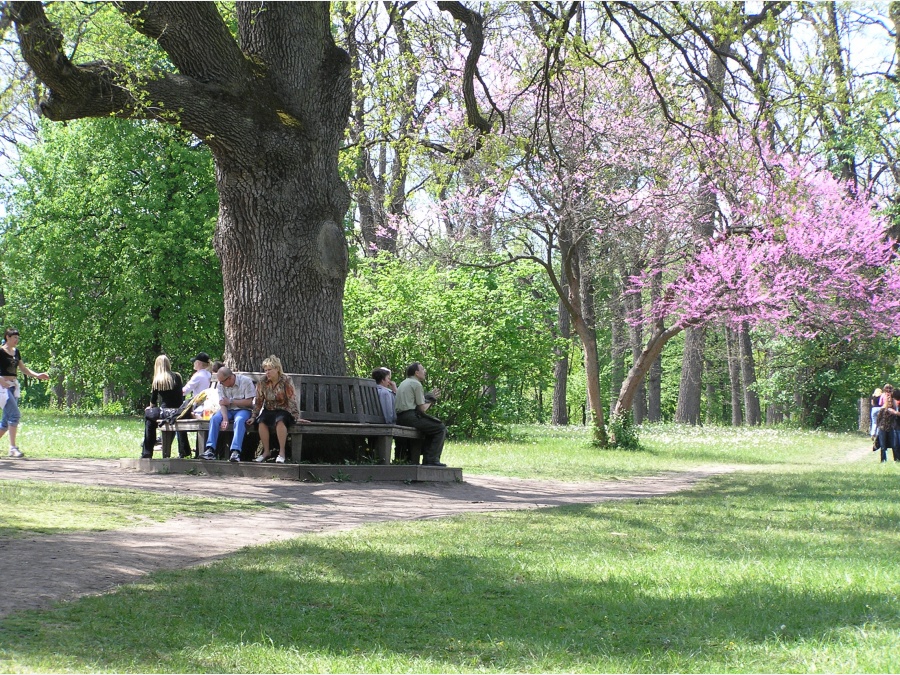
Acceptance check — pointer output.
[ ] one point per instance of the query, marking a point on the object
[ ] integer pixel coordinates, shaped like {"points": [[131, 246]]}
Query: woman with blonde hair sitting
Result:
{"points": [[275, 407], [166, 393]]}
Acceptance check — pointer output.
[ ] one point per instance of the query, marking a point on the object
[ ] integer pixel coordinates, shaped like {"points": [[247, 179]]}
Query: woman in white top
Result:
{"points": [[201, 378]]}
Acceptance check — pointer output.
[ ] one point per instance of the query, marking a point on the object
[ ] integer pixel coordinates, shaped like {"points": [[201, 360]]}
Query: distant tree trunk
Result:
{"points": [[654, 376], [689, 389], [561, 370], [654, 391], [618, 346], [774, 414], [734, 377], [711, 416], [748, 377], [636, 338]]}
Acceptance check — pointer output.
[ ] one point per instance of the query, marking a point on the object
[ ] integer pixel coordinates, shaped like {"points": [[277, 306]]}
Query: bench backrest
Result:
{"points": [[327, 398]]}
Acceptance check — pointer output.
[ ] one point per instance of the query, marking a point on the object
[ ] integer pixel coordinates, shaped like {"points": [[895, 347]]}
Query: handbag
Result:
{"points": [[151, 413]]}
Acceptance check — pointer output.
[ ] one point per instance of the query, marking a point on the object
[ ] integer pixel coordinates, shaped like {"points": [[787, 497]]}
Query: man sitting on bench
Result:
{"points": [[236, 394], [411, 404]]}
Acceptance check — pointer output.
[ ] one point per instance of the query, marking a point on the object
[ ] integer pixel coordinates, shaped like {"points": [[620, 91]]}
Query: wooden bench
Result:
{"points": [[334, 406]]}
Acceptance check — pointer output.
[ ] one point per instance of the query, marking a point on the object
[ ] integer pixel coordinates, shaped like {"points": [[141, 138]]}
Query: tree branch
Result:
{"points": [[194, 36], [474, 32]]}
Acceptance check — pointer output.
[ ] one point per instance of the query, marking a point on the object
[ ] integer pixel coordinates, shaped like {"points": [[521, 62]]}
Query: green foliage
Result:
{"points": [[622, 433], [830, 379], [109, 259], [482, 335]]}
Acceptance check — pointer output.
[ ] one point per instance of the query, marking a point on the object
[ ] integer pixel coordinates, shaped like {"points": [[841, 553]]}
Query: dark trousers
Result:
{"points": [[150, 428], [433, 430], [889, 439]]}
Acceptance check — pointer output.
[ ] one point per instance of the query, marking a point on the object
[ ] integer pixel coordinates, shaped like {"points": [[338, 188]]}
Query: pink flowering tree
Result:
{"points": [[801, 257]]}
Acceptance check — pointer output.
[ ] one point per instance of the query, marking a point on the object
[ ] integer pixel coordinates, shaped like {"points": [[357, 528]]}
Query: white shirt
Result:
{"points": [[199, 381]]}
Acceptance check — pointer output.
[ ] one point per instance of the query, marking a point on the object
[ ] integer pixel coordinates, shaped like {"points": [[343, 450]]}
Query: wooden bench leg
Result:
{"points": [[296, 443], [167, 438], [383, 445]]}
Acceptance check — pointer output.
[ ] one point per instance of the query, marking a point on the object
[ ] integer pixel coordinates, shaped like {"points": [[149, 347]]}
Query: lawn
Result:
{"points": [[786, 568], [35, 507], [791, 572]]}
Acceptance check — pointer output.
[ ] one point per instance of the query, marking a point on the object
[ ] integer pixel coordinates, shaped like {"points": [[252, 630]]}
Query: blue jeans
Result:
{"points": [[11, 414], [239, 417], [873, 430]]}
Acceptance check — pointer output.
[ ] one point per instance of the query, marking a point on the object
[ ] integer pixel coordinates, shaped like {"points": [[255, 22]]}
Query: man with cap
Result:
{"points": [[201, 378]]}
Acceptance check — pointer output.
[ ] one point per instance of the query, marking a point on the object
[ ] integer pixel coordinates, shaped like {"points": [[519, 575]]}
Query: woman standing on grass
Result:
{"points": [[10, 364], [165, 392], [888, 422]]}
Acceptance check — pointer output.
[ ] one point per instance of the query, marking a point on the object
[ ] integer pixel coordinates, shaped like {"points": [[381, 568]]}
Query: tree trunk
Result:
{"points": [[748, 377], [689, 389], [272, 107], [641, 367], [734, 377], [654, 391], [561, 370], [636, 338], [618, 346]]}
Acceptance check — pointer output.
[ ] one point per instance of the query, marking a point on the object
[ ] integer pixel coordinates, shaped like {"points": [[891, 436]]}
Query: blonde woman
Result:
{"points": [[165, 393], [275, 407]]}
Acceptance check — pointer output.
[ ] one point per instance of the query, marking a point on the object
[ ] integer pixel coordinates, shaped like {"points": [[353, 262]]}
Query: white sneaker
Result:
{"points": [[235, 456], [260, 459], [279, 460], [15, 452]]}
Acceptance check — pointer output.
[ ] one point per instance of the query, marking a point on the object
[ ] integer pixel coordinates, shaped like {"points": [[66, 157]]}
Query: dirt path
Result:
{"points": [[62, 567]]}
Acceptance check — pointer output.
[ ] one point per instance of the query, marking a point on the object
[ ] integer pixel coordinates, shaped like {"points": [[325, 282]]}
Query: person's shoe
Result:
{"points": [[208, 454], [235, 456], [261, 459], [433, 464], [279, 460], [16, 453]]}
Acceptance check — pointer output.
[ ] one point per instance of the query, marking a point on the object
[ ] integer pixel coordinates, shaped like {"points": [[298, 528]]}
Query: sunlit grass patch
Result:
{"points": [[28, 507], [566, 453], [47, 434], [786, 572]]}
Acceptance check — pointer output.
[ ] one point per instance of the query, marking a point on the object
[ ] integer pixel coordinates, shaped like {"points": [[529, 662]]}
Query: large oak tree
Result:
{"points": [[272, 104]]}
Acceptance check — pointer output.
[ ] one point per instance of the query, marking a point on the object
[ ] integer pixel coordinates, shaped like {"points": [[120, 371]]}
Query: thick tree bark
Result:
{"points": [[734, 376], [748, 377], [272, 110], [654, 391]]}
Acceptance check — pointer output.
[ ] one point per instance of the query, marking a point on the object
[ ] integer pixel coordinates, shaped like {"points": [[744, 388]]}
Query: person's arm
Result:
{"points": [[258, 404], [30, 373]]}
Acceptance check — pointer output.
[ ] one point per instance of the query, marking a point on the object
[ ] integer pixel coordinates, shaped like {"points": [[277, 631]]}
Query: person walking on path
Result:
{"points": [[10, 364], [412, 403]]}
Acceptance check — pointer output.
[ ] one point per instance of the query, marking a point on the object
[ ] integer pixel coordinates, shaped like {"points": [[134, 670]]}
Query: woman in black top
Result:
{"points": [[10, 364], [164, 393]]}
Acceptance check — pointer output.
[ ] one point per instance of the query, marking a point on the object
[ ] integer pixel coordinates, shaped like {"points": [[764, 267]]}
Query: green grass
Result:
{"points": [[34, 507], [45, 434], [565, 453], [793, 571]]}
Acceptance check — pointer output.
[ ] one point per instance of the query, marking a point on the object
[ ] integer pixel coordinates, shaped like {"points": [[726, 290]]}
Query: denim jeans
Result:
{"points": [[239, 417]]}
